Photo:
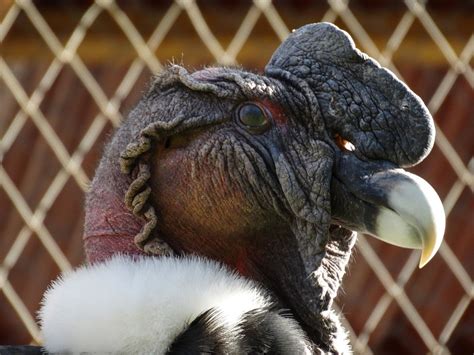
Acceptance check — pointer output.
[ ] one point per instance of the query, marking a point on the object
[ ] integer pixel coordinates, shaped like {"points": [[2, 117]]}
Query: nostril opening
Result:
{"points": [[343, 143], [167, 143]]}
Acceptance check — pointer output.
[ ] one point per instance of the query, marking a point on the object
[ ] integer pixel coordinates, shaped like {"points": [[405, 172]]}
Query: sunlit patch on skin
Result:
{"points": [[344, 144]]}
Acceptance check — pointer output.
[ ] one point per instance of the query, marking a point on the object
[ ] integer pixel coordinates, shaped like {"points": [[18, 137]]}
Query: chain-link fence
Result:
{"points": [[386, 281]]}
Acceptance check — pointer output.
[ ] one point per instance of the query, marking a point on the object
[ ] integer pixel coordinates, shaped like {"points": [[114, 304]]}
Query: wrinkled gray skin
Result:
{"points": [[296, 180]]}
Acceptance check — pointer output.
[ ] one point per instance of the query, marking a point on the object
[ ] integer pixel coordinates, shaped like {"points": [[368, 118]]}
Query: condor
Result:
{"points": [[234, 198]]}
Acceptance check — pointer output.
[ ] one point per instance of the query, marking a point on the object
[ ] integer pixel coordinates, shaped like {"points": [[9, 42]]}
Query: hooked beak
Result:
{"points": [[414, 215], [391, 204]]}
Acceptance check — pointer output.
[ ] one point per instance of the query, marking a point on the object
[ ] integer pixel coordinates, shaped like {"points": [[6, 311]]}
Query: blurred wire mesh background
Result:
{"points": [[71, 70]]}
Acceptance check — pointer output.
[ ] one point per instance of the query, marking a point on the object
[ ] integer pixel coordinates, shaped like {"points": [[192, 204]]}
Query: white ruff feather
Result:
{"points": [[141, 305]]}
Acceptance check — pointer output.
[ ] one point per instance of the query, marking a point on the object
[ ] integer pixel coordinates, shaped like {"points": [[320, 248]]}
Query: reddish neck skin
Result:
{"points": [[205, 213], [110, 228]]}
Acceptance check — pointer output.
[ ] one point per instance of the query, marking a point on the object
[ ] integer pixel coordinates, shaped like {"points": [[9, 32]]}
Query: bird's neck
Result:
{"points": [[109, 226], [309, 299]]}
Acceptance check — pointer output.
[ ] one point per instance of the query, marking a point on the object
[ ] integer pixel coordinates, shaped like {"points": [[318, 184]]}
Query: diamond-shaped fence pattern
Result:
{"points": [[398, 300]]}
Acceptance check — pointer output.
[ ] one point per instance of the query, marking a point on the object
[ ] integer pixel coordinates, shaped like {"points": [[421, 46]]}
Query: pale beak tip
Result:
{"points": [[424, 259], [431, 247], [426, 213]]}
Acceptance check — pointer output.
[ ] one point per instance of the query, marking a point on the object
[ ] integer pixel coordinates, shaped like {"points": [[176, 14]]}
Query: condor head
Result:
{"points": [[272, 174]]}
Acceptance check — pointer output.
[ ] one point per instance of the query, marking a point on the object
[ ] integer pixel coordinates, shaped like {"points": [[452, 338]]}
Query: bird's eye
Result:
{"points": [[253, 117]]}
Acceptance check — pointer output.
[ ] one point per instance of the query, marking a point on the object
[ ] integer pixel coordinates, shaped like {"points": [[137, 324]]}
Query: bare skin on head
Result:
{"points": [[272, 173]]}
